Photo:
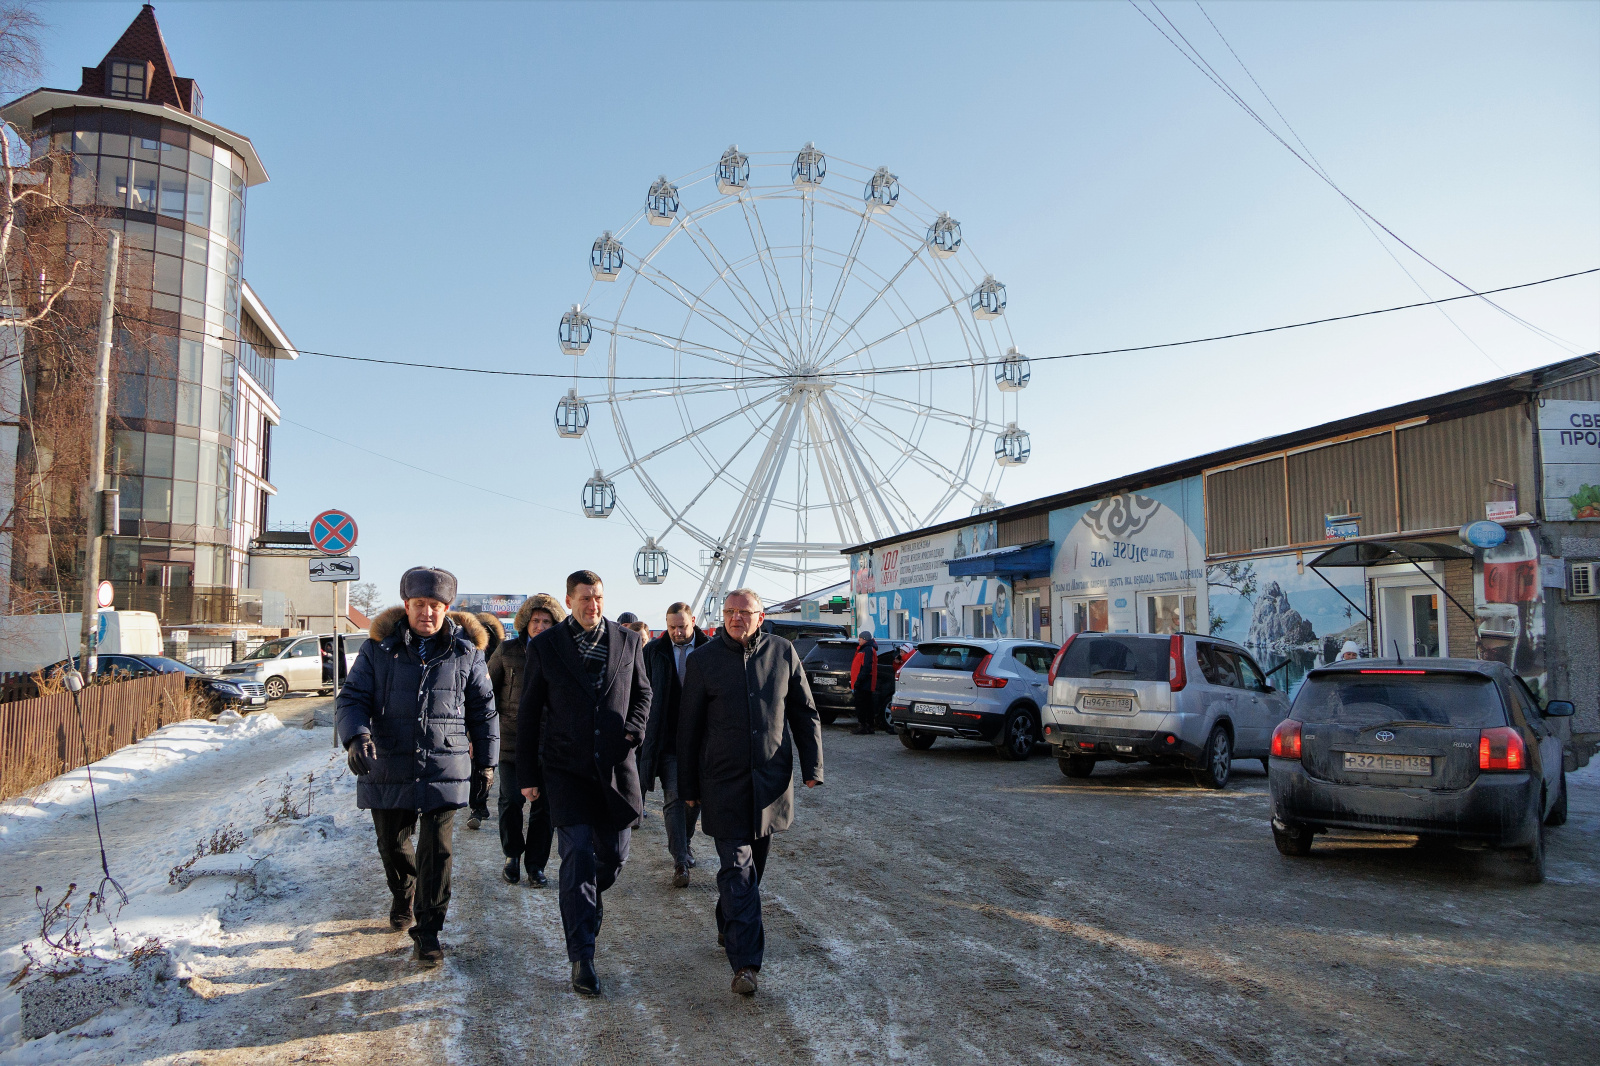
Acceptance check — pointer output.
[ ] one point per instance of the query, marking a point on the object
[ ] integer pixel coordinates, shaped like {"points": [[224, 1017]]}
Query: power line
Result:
{"points": [[955, 364]]}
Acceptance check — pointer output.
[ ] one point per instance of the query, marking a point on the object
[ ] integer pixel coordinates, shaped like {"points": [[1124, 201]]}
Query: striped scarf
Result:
{"points": [[593, 648]]}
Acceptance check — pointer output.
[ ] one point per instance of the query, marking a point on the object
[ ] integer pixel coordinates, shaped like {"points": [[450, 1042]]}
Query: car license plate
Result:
{"points": [[929, 708], [1118, 704], [1367, 763], [825, 682]]}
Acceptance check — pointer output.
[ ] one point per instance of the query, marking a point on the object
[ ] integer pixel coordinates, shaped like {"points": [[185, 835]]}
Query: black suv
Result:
{"points": [[828, 669], [1448, 749], [803, 634]]}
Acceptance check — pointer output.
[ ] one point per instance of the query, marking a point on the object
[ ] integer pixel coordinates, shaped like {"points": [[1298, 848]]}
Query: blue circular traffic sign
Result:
{"points": [[333, 532]]}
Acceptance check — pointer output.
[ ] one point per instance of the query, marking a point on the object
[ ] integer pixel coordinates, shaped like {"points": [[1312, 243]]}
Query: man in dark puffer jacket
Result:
{"points": [[417, 700]]}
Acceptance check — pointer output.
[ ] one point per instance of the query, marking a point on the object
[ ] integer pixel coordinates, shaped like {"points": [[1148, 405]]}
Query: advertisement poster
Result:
{"points": [[1284, 613], [1569, 448], [1133, 563], [914, 577], [1510, 606]]}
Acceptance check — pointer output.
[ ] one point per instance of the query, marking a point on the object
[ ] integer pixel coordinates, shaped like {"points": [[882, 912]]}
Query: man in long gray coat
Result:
{"points": [[418, 724], [745, 695]]}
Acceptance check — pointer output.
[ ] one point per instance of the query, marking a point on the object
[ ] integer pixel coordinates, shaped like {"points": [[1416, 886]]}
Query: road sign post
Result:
{"points": [[333, 534]]}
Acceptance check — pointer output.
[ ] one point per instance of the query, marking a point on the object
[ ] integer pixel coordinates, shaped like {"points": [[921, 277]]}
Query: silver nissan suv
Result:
{"points": [[1181, 700]]}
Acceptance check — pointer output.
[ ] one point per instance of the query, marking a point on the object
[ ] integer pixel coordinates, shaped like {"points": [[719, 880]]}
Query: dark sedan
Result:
{"points": [[219, 693], [828, 669], [1449, 749]]}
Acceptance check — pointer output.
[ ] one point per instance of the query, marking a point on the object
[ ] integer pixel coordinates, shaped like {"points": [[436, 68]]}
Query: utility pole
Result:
{"points": [[97, 453]]}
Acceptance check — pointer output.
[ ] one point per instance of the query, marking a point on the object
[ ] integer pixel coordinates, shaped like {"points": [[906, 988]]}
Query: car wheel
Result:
{"points": [[1217, 766], [885, 719], [1018, 736], [1076, 765], [277, 688], [1294, 839], [1558, 811], [827, 717], [1533, 862], [917, 741]]}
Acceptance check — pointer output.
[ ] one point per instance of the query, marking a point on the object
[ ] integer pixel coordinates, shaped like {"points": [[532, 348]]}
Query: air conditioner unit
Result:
{"points": [[1583, 581]]}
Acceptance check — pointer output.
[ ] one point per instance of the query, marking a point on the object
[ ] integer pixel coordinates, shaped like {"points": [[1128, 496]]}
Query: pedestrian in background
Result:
{"points": [[417, 700], [585, 702], [528, 851], [746, 707], [479, 800], [641, 628], [666, 658], [864, 683]]}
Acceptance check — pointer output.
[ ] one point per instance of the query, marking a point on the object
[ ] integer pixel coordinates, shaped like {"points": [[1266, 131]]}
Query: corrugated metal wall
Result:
{"points": [[1024, 530], [1445, 467], [1245, 509], [1584, 388], [1356, 477]]}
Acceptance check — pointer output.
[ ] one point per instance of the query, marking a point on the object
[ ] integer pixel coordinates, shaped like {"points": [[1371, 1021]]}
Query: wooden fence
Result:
{"points": [[39, 738]]}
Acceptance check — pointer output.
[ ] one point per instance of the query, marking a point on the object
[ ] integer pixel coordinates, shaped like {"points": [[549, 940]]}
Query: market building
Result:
{"points": [[196, 350], [1463, 524]]}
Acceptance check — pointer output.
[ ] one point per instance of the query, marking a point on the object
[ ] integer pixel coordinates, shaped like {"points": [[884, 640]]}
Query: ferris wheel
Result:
{"points": [[800, 355]]}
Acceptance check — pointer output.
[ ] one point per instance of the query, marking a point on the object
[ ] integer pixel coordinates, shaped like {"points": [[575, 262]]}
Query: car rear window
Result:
{"points": [[962, 657], [1128, 658], [1361, 700], [831, 656]]}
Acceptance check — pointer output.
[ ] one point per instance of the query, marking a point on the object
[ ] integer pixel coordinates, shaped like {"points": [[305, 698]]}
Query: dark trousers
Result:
{"points": [[591, 858], [478, 797], [534, 847], [744, 862], [866, 705], [423, 874], [679, 817]]}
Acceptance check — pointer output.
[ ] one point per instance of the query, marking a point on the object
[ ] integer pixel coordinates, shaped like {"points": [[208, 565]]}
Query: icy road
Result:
{"points": [[938, 907]]}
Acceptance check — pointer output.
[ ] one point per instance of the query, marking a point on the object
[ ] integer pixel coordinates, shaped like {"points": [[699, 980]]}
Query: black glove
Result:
{"points": [[361, 753], [484, 776]]}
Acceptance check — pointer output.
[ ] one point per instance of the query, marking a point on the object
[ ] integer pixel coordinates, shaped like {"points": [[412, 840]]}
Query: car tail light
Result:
{"points": [[1286, 740], [1176, 673], [981, 678], [1502, 749], [1055, 664]]}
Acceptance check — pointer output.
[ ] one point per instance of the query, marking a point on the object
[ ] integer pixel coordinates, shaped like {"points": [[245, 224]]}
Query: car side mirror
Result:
{"points": [[1559, 709]]}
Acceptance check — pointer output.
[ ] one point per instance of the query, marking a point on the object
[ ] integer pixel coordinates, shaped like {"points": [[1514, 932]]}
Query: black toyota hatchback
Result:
{"points": [[1448, 749]]}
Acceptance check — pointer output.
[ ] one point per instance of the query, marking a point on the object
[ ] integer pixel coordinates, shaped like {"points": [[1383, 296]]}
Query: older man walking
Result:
{"points": [[745, 695], [417, 700], [585, 701], [666, 658]]}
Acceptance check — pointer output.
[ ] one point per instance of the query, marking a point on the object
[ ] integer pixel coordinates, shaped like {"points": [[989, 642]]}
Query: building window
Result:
{"points": [[127, 80]]}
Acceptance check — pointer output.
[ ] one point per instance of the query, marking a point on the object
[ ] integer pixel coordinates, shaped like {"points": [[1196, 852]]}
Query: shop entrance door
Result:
{"points": [[1411, 618]]}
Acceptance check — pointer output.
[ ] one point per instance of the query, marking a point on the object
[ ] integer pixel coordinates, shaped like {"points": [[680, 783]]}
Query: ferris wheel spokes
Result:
{"points": [[696, 432], [699, 306]]}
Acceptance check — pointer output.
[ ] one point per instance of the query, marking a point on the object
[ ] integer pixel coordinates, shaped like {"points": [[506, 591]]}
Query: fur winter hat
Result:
{"points": [[428, 581], [539, 601]]}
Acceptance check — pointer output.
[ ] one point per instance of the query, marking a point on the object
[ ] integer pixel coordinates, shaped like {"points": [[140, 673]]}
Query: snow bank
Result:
{"points": [[126, 772], [1586, 776]]}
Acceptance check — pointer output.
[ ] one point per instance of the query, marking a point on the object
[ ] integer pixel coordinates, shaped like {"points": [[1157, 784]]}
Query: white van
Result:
{"points": [[30, 642]]}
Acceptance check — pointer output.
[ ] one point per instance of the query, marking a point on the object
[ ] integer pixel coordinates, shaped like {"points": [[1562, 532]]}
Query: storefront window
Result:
{"points": [[1171, 614], [1090, 616]]}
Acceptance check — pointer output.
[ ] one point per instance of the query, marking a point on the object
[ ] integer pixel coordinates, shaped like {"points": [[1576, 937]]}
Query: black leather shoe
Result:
{"points": [[401, 916], [429, 952], [584, 981], [680, 877], [512, 871], [744, 982], [537, 879], [692, 862]]}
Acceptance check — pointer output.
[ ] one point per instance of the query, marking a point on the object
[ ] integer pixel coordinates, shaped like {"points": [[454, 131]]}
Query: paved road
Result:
{"points": [[948, 907]]}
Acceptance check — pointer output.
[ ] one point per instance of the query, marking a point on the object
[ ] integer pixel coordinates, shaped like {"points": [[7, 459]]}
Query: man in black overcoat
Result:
{"points": [[667, 659], [585, 702], [746, 707]]}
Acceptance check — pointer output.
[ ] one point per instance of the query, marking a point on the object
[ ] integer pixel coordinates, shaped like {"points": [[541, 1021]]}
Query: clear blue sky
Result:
{"points": [[439, 171]]}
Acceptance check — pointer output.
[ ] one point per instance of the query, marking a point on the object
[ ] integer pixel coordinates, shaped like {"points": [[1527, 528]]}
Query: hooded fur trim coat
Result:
{"points": [[421, 717]]}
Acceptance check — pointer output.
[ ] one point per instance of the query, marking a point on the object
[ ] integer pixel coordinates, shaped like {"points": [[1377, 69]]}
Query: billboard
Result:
{"points": [[499, 604]]}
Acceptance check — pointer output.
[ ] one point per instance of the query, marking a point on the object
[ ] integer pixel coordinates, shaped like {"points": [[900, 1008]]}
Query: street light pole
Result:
{"points": [[97, 452]]}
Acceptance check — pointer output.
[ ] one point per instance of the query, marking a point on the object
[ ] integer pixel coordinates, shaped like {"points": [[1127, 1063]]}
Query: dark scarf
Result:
{"points": [[593, 648]]}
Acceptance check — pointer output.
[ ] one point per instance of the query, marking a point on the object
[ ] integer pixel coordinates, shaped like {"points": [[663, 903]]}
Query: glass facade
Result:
{"points": [[178, 197]]}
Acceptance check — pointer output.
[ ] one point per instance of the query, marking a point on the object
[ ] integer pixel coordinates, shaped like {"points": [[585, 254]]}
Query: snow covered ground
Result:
{"points": [[279, 794]]}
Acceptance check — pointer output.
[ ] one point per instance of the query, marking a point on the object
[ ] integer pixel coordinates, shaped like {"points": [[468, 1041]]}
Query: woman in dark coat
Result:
{"points": [[530, 851], [479, 800]]}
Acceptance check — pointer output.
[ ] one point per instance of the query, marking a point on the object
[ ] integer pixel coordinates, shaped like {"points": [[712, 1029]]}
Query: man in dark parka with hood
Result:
{"points": [[585, 702], [666, 658], [417, 701], [746, 708], [530, 850]]}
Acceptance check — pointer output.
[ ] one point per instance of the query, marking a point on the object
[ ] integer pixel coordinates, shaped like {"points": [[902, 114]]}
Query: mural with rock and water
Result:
{"points": [[1288, 617]]}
